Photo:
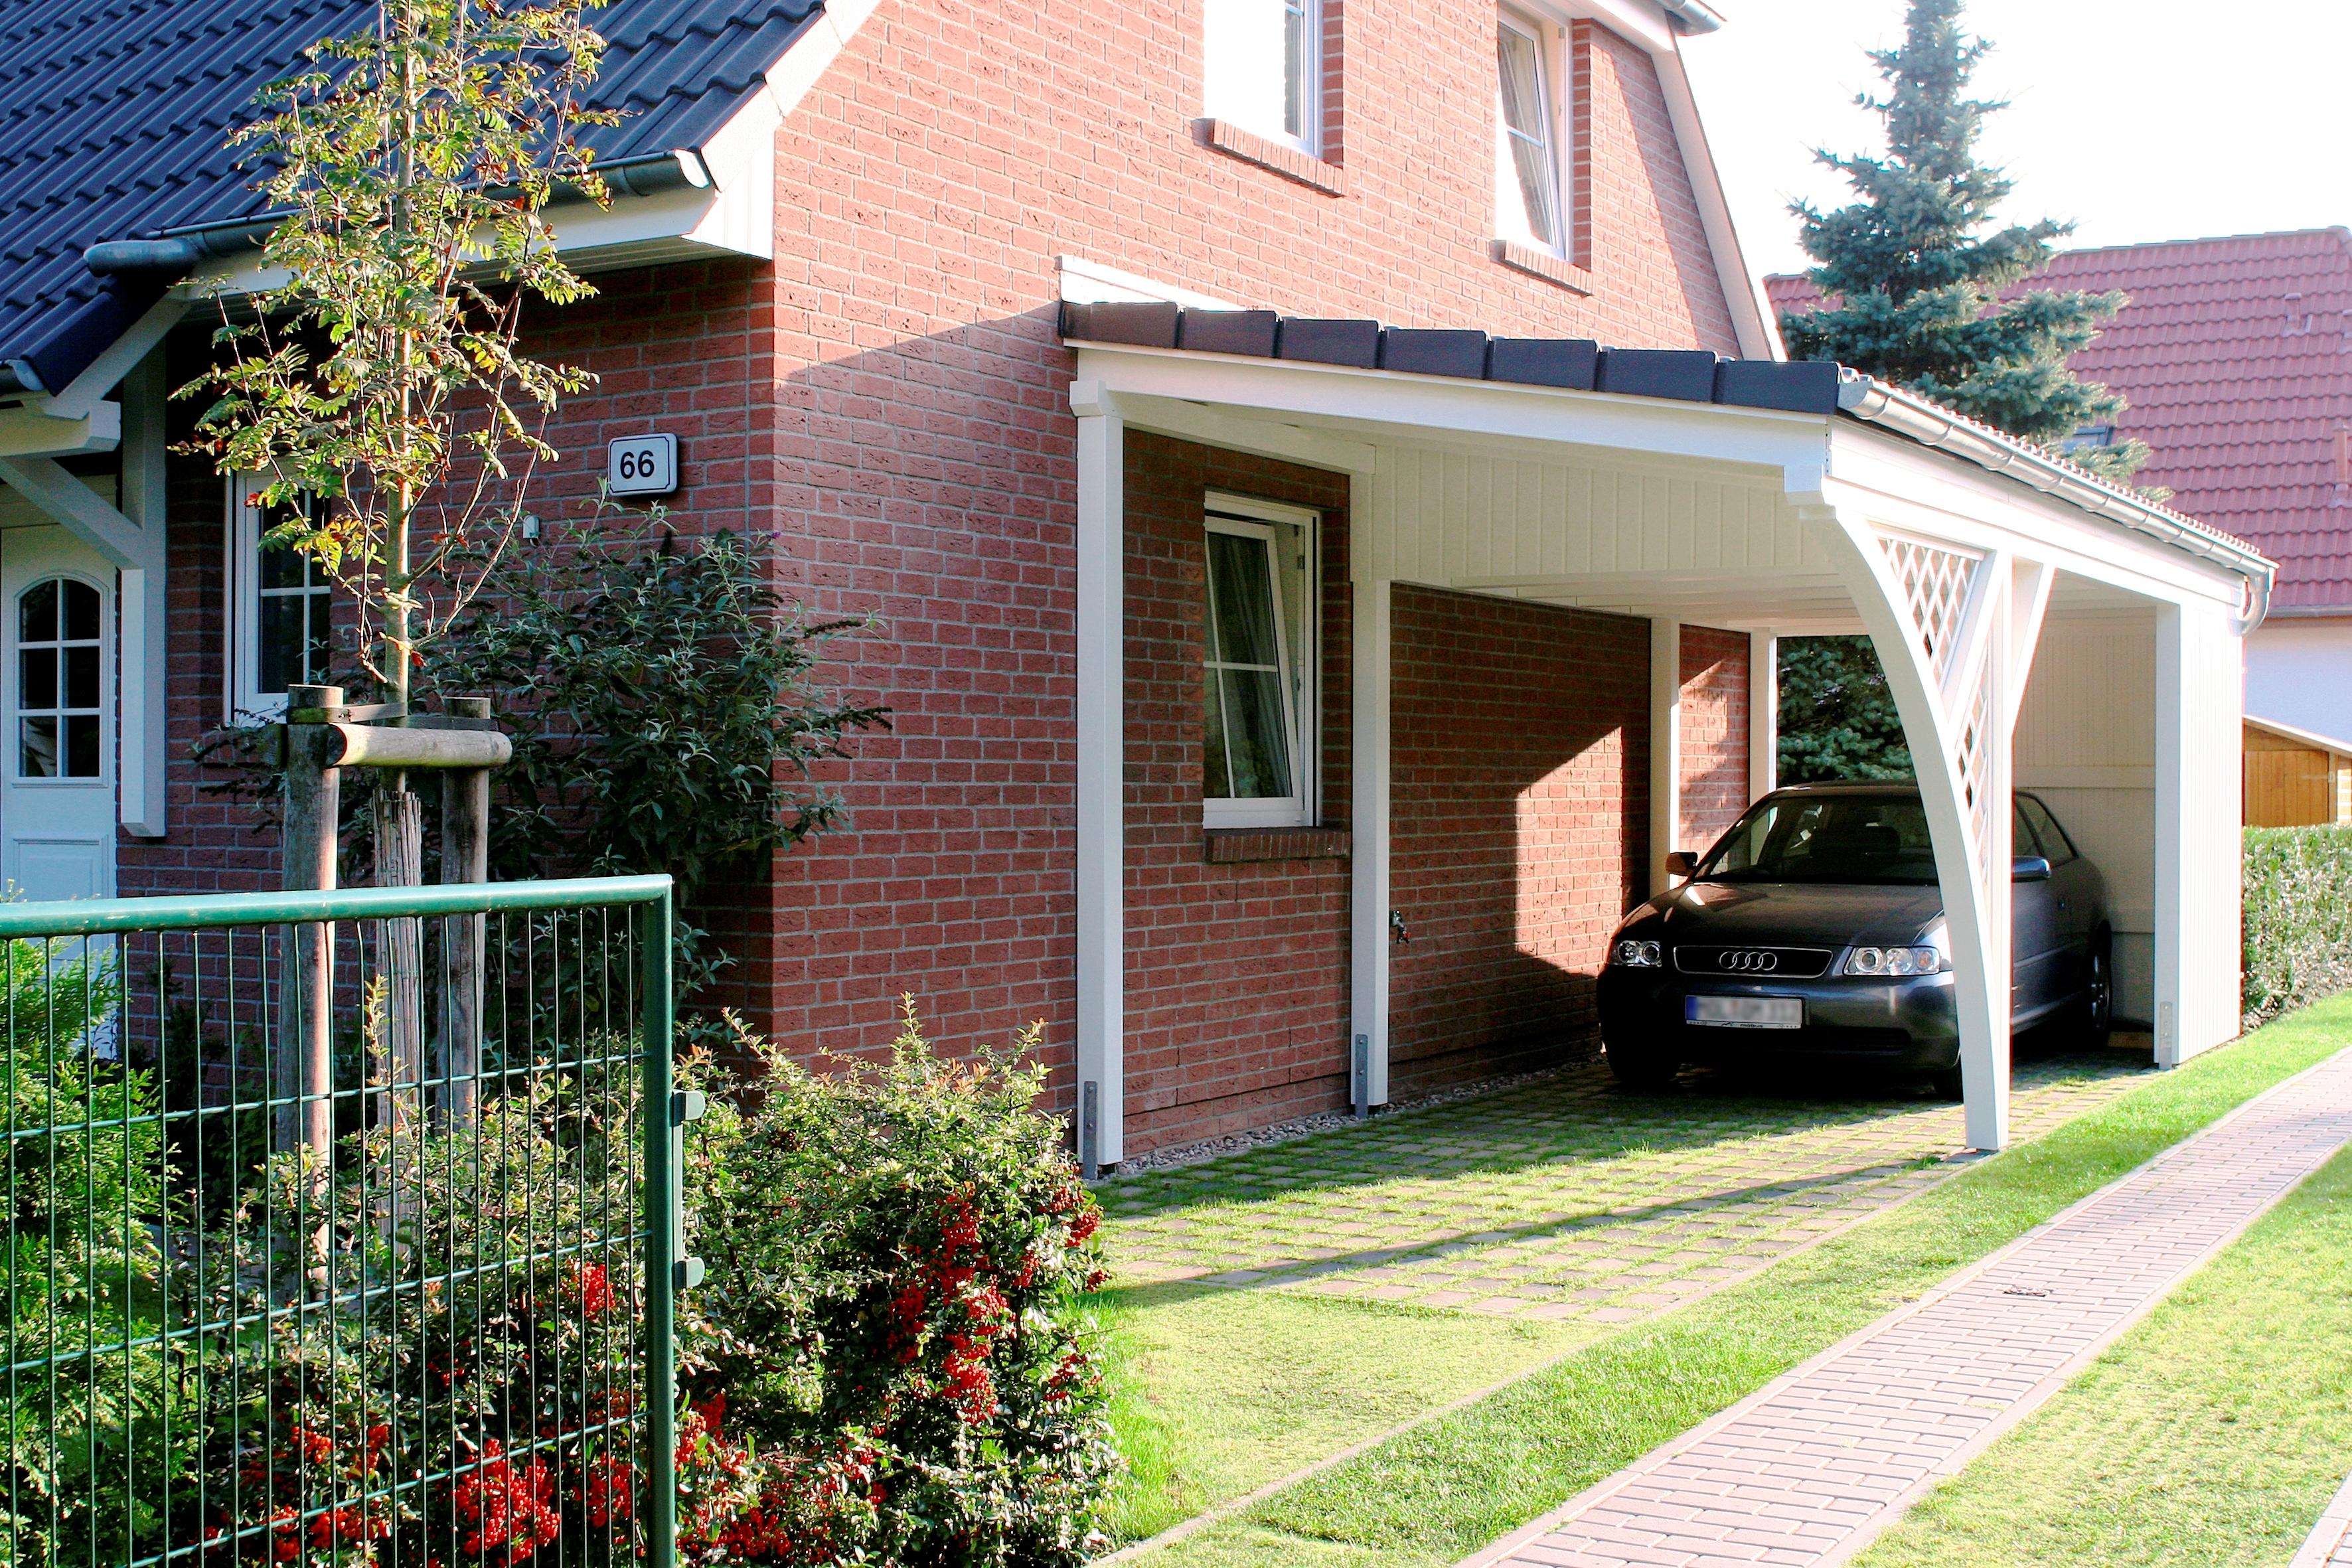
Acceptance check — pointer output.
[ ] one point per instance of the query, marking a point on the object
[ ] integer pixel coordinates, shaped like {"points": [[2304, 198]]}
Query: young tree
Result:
{"points": [[1913, 286], [380, 387]]}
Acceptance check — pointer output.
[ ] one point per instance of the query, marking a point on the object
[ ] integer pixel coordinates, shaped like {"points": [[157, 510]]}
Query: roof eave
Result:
{"points": [[1875, 402]]}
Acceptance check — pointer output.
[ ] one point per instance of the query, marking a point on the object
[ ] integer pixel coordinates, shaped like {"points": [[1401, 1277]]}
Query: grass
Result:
{"points": [[1221, 1391], [2212, 1434], [1435, 1494]]}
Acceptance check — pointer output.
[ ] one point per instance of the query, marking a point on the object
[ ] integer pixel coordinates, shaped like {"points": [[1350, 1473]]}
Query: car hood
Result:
{"points": [[1803, 914]]}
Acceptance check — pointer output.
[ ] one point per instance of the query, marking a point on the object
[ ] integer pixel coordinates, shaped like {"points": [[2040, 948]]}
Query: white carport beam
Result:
{"points": [[1666, 748], [1102, 746], [1763, 714], [44, 482]]}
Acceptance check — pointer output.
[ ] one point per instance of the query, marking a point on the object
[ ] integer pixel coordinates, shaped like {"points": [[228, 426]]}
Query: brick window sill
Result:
{"points": [[1543, 264], [1241, 845], [1224, 136]]}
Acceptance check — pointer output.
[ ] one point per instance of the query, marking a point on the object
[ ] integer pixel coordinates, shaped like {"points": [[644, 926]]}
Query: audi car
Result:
{"points": [[1814, 930]]}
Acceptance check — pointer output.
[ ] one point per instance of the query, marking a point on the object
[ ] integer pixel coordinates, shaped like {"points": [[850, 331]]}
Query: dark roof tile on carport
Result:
{"points": [[114, 117]]}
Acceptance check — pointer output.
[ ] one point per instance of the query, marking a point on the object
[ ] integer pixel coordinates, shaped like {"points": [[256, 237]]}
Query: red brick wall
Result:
{"points": [[925, 186], [1519, 787], [890, 398], [1236, 974], [674, 347], [1714, 733]]}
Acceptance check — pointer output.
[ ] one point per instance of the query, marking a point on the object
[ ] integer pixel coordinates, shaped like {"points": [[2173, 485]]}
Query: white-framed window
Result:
{"points": [[279, 603], [1529, 203], [1264, 68], [61, 677], [1260, 694]]}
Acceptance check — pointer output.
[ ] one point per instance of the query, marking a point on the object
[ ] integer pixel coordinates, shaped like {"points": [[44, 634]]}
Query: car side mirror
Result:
{"points": [[1681, 863], [2029, 869]]}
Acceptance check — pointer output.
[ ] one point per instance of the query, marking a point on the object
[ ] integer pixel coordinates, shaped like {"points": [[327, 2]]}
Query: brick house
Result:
{"points": [[1305, 640]]}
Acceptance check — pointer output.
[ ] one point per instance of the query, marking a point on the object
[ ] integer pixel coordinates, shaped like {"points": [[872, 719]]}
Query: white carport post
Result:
{"points": [[1368, 852], [1102, 748], [2198, 694], [1666, 748], [1939, 616], [1763, 714]]}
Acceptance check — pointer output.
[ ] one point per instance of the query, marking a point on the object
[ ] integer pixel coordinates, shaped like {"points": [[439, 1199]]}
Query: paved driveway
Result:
{"points": [[1564, 1198]]}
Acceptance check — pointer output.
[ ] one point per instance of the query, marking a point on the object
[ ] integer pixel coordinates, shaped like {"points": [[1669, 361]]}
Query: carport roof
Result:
{"points": [[1686, 375], [115, 115]]}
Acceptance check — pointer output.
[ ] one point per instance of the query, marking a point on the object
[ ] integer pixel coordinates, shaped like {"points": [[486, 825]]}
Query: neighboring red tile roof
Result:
{"points": [[2236, 355]]}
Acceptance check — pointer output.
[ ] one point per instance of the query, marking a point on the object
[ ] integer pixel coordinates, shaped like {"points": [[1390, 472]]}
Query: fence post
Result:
{"points": [[399, 863], [304, 1082], [663, 1176], [465, 857]]}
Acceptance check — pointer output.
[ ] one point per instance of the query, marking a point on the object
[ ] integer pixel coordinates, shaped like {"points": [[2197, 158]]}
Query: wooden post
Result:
{"points": [[304, 1079], [400, 863], [465, 857]]}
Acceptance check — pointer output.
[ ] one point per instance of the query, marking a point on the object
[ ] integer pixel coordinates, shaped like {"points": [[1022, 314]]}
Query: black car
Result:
{"points": [[1814, 930]]}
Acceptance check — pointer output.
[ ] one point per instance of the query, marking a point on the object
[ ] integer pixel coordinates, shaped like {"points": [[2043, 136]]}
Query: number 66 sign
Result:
{"points": [[641, 466]]}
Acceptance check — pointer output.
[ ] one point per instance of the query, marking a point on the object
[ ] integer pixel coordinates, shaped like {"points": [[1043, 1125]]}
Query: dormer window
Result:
{"points": [[2088, 437], [1264, 68]]}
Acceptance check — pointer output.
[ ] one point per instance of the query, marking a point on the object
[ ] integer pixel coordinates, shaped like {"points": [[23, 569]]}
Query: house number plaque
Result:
{"points": [[641, 466]]}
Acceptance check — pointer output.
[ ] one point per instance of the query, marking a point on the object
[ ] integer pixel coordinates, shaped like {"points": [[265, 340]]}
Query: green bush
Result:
{"points": [[888, 1361], [2298, 918]]}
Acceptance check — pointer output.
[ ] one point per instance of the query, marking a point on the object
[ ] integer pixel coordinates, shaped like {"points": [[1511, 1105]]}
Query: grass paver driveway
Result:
{"points": [[1565, 1199]]}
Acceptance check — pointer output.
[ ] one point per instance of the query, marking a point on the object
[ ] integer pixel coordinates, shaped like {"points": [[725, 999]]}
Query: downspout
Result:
{"points": [[1890, 407]]}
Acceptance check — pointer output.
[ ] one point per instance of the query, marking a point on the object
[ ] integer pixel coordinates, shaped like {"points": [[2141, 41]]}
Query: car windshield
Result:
{"points": [[1827, 838]]}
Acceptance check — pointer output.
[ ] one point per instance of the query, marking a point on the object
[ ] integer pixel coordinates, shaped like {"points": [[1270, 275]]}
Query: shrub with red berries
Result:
{"points": [[889, 1356]]}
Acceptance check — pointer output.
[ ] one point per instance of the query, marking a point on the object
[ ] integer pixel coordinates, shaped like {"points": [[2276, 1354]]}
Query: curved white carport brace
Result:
{"points": [[1770, 522]]}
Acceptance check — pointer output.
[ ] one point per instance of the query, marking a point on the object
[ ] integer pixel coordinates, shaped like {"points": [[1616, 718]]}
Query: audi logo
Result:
{"points": [[1748, 961]]}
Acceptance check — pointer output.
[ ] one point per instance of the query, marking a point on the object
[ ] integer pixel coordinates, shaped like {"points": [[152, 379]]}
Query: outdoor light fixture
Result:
{"points": [[1638, 955], [1891, 961]]}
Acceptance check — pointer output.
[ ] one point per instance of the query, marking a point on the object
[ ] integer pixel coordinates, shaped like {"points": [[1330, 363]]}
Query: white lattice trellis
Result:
{"points": [[1975, 760], [1936, 584]]}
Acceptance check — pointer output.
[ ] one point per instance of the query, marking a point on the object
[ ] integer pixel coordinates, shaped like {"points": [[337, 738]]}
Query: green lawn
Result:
{"points": [[1437, 1493], [2212, 1434]]}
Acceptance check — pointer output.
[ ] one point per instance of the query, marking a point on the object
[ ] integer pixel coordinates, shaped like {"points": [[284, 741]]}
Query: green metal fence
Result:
{"points": [[341, 1228]]}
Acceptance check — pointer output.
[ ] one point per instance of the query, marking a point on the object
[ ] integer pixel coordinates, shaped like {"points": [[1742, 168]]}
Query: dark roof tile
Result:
{"points": [[115, 114]]}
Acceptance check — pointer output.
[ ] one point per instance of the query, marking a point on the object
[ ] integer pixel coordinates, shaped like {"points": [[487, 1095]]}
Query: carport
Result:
{"points": [[2040, 627]]}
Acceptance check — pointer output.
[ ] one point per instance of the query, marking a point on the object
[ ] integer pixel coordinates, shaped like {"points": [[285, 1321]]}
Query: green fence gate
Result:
{"points": [[342, 1227]]}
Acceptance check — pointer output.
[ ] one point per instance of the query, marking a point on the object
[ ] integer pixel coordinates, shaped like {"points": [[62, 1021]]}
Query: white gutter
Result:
{"points": [[1694, 16], [1891, 408]]}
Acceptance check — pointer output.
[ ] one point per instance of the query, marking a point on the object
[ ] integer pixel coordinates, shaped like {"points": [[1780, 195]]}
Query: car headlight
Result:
{"points": [[1637, 954], [1892, 961]]}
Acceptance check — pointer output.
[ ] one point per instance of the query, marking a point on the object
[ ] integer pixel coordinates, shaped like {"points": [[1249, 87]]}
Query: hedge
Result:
{"points": [[2298, 921]]}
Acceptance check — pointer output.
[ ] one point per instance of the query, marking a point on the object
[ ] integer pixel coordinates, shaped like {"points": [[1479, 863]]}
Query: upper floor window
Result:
{"points": [[279, 602], [1528, 133], [1259, 691], [1265, 61]]}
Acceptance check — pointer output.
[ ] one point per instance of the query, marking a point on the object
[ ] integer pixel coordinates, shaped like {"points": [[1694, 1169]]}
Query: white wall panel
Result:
{"points": [[2086, 744]]}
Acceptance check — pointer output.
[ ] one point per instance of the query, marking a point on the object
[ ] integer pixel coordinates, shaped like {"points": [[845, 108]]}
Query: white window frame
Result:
{"points": [[1226, 55], [1298, 635], [243, 701], [16, 707], [1551, 40]]}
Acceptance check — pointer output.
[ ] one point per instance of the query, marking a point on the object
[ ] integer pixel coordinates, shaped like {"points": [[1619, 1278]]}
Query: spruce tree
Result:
{"points": [[1912, 285]]}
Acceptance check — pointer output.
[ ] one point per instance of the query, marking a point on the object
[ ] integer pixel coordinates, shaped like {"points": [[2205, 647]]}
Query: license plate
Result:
{"points": [[1746, 1011]]}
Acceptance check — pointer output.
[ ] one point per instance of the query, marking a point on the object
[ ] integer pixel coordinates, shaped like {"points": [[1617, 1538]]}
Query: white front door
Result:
{"points": [[57, 716]]}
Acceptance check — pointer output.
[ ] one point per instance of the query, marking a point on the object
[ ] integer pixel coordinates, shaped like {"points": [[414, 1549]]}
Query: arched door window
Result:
{"points": [[60, 680]]}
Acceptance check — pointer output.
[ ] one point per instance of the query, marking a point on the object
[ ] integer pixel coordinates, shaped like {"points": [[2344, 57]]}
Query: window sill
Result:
{"points": [[1239, 845], [1543, 264], [1224, 136]]}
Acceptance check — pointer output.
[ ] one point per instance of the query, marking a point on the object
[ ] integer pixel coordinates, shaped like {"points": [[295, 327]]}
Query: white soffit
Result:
{"points": [[1085, 282]]}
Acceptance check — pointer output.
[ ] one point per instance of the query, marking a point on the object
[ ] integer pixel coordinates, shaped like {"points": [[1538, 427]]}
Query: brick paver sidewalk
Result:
{"points": [[1812, 1467], [1562, 1199], [2330, 1545]]}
